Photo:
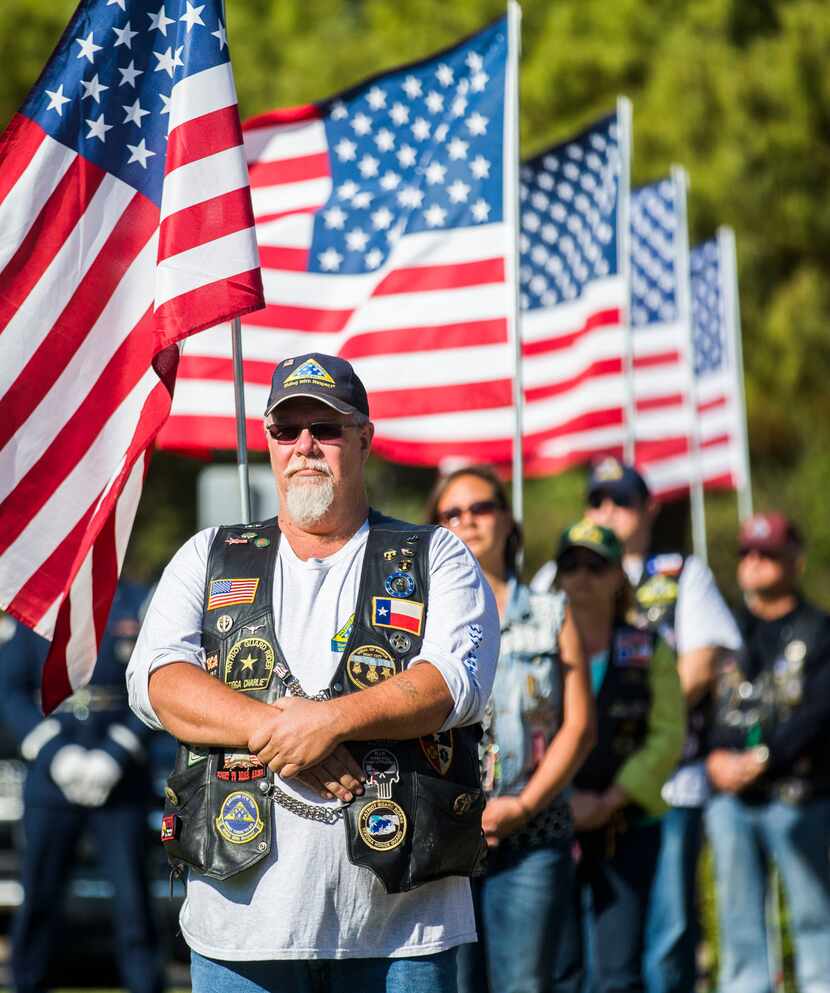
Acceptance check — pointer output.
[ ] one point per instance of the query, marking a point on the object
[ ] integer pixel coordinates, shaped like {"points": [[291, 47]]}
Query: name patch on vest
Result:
{"points": [[249, 665]]}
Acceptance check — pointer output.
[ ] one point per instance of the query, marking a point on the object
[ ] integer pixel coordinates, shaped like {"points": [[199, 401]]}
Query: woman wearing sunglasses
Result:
{"points": [[616, 802], [538, 728]]}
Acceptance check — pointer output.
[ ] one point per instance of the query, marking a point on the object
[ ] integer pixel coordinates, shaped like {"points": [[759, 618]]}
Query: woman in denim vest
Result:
{"points": [[538, 729]]}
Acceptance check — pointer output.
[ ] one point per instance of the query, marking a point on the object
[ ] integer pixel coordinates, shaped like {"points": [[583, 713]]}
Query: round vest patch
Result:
{"points": [[239, 821], [249, 665], [369, 665], [382, 825]]}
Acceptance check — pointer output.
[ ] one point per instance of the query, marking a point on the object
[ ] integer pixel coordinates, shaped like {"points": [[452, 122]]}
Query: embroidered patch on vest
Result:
{"points": [[632, 648], [249, 665], [239, 821], [338, 641], [229, 592], [382, 825], [369, 665], [391, 612], [658, 591], [439, 748]]}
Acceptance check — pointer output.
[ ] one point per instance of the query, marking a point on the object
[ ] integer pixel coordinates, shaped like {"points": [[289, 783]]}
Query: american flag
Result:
{"points": [[717, 378], [663, 400], [384, 236], [126, 224], [227, 592], [573, 298]]}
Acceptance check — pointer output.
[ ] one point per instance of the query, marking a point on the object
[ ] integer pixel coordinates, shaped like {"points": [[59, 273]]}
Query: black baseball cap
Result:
{"points": [[326, 378], [614, 478]]}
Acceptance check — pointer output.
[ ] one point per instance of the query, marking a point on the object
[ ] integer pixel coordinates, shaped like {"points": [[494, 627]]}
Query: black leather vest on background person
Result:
{"points": [[756, 694], [656, 595], [420, 816], [623, 704]]}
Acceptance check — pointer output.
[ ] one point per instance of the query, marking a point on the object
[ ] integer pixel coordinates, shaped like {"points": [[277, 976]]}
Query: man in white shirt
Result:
{"points": [[677, 595], [343, 627]]}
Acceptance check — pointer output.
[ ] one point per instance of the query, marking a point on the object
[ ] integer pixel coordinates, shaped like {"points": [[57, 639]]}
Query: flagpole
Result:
{"points": [[511, 196], [681, 185], [732, 321], [624, 116], [241, 431]]}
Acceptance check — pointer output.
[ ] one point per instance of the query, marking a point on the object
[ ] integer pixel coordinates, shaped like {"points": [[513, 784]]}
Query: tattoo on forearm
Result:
{"points": [[407, 687]]}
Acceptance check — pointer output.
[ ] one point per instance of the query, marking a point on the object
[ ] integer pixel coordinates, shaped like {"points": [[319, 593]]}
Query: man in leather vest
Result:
{"points": [[87, 771], [770, 763], [677, 597], [325, 674]]}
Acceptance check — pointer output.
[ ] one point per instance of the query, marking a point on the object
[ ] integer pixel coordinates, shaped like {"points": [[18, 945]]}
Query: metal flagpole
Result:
{"points": [[511, 196], [624, 268], [681, 185], [732, 322], [241, 432]]}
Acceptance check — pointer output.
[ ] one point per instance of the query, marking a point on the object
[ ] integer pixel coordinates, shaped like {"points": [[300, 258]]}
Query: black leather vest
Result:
{"points": [[757, 706], [623, 704], [420, 816]]}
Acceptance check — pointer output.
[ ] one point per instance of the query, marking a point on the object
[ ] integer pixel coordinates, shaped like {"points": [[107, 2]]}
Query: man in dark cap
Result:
{"points": [[677, 597], [770, 763], [325, 673]]}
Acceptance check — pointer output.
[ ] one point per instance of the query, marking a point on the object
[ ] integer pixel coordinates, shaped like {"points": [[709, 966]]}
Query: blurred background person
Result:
{"points": [[616, 802], [677, 596], [770, 763], [86, 769], [539, 727]]}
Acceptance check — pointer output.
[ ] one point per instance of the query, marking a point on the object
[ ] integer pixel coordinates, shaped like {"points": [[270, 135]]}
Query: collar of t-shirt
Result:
{"points": [[328, 561]]}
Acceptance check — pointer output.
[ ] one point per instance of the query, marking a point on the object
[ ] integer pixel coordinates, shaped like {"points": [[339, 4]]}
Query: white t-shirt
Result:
{"points": [[702, 617], [306, 899]]}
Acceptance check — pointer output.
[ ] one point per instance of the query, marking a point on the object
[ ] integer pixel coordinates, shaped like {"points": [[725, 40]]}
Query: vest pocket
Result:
{"points": [[185, 801], [447, 839]]}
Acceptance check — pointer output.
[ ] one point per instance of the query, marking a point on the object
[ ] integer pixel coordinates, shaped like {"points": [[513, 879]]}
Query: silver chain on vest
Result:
{"points": [[311, 811]]}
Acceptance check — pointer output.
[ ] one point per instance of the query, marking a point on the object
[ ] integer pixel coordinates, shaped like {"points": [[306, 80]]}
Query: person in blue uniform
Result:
{"points": [[87, 769]]}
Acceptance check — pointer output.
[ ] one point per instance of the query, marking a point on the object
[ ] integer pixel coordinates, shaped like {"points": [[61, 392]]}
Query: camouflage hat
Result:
{"points": [[594, 537]]}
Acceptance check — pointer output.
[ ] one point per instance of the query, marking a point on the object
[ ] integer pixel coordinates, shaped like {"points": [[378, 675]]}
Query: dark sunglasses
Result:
{"points": [[573, 563], [481, 508], [324, 431], [597, 499]]}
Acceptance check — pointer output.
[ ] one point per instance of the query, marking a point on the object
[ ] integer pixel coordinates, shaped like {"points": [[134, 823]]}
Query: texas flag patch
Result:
{"points": [[392, 612]]}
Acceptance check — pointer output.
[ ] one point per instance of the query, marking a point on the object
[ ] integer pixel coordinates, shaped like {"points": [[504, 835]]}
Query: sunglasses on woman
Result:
{"points": [[481, 508], [323, 431]]}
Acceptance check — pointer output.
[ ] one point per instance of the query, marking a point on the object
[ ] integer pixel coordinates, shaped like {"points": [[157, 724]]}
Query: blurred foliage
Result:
{"points": [[736, 90]]}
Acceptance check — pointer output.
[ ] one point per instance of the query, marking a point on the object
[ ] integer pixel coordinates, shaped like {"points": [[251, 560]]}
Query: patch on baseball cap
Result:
{"points": [[594, 537], [326, 378], [769, 532], [617, 479]]}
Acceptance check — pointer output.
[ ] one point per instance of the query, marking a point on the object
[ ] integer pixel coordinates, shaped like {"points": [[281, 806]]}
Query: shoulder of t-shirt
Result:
{"points": [[545, 575], [444, 545], [194, 552]]}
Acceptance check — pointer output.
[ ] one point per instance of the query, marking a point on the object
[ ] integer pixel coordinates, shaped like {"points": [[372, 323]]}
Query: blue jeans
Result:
{"points": [[602, 947], [419, 974], [744, 839], [521, 905], [672, 924]]}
